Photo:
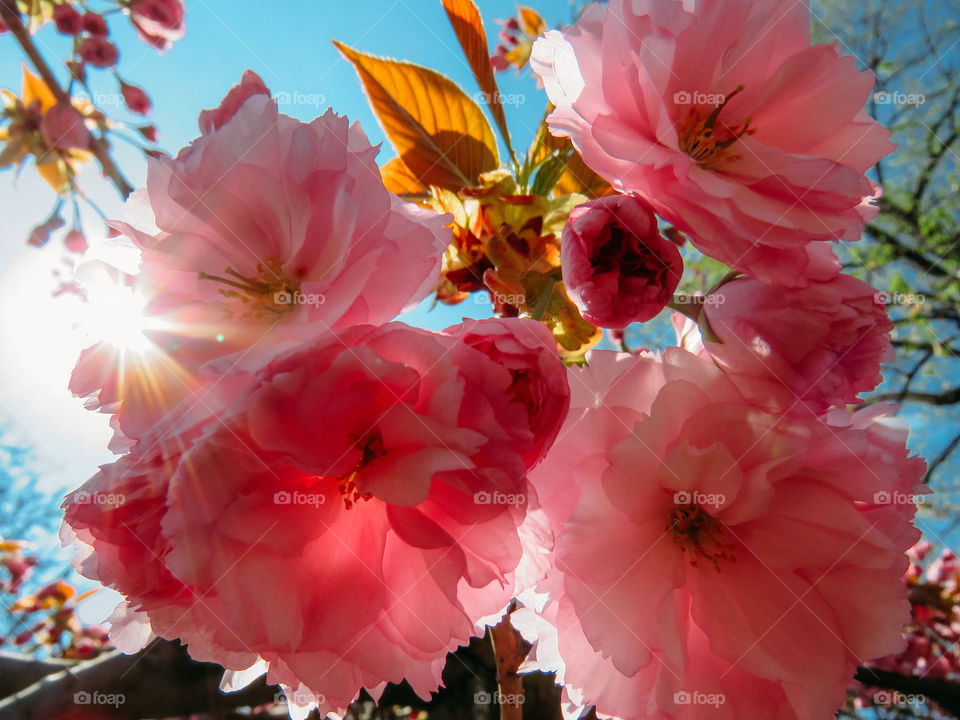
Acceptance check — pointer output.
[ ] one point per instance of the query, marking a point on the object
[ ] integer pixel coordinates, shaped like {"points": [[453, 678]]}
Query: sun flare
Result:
{"points": [[115, 313]]}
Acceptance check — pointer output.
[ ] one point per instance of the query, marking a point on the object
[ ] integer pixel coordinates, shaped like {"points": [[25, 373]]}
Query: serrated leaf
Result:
{"points": [[35, 89], [533, 24], [398, 179], [577, 177], [441, 135], [548, 176], [467, 24], [12, 153], [55, 173]]}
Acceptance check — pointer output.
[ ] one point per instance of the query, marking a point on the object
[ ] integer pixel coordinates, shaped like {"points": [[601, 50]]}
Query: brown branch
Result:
{"points": [[935, 154], [902, 250], [944, 693], [940, 459], [510, 649], [98, 146], [160, 681], [947, 397], [924, 347], [913, 373], [18, 671]]}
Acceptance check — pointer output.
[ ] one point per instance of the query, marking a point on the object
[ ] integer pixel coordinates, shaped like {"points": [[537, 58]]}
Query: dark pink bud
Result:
{"points": [[67, 19], [136, 98], [98, 51]]}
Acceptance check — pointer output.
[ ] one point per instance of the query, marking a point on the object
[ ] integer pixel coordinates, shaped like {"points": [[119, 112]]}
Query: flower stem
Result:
{"points": [[510, 649], [98, 146]]}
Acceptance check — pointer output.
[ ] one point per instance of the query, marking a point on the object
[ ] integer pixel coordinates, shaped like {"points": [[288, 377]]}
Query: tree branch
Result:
{"points": [[944, 454], [931, 267], [936, 154], [18, 671], [913, 373], [160, 681], [98, 146], [947, 397]]}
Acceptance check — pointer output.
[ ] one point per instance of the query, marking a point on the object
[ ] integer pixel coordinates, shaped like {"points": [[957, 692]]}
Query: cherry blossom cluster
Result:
{"points": [[368, 475], [313, 490], [63, 127]]}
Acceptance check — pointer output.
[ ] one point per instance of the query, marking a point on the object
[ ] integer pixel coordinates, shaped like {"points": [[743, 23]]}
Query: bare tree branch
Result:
{"points": [[947, 397], [160, 681]]}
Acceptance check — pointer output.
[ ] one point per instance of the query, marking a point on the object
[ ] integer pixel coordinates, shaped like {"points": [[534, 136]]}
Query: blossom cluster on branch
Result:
{"points": [[313, 490], [62, 127]]}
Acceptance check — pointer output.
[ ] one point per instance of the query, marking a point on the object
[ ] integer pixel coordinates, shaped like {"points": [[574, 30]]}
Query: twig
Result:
{"points": [[98, 146], [160, 681]]}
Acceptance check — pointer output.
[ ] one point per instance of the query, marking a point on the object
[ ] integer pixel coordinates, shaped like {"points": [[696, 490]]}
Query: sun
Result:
{"points": [[114, 312]]}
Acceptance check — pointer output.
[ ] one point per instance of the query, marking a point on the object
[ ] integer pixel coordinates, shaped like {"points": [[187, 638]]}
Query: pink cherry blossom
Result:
{"points": [[348, 520], [726, 120], [717, 554], [250, 84], [617, 267], [262, 234], [825, 341], [159, 22]]}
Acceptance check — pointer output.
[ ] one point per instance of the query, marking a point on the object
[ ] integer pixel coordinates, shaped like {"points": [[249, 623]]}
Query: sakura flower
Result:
{"points": [[617, 267], [159, 22], [719, 557], [348, 520], [726, 120], [264, 233], [824, 341]]}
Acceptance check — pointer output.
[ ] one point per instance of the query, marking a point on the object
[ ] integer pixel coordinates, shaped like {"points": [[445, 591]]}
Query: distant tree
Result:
{"points": [[911, 252]]}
